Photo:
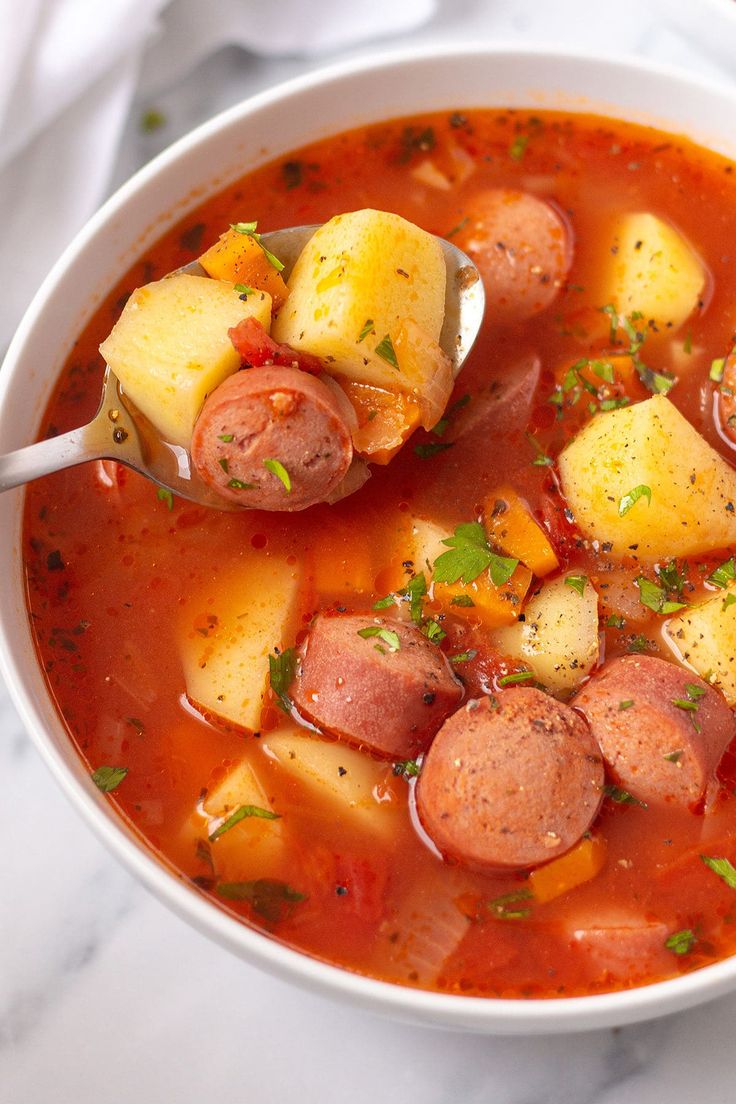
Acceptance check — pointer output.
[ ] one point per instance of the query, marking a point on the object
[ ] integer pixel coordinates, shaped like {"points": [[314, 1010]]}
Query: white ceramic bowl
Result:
{"points": [[200, 164]]}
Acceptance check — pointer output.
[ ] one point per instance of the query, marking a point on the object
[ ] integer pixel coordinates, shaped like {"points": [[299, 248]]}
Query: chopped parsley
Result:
{"points": [[655, 597], [281, 668], [577, 583], [226, 437], [674, 756], [723, 868], [163, 494], [434, 632], [615, 622], [633, 496], [517, 148], [541, 460], [244, 291], [499, 907], [277, 468], [239, 485], [415, 591], [463, 657], [716, 369], [367, 328], [249, 230], [469, 555], [388, 636], [407, 768], [691, 703], [271, 899], [728, 601], [466, 600], [241, 813], [627, 704], [517, 676], [151, 120], [681, 942], [442, 424], [385, 350], [108, 779], [724, 574], [622, 797]]}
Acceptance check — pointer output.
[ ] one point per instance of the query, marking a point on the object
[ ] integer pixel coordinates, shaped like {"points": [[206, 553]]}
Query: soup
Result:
{"points": [[325, 845]]}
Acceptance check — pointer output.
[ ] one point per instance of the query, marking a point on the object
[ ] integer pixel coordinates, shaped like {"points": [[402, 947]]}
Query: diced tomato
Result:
{"points": [[563, 533], [256, 348]]}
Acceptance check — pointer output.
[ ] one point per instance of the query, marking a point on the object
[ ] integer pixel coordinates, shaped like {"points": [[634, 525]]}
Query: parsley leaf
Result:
{"points": [[385, 350], [249, 229], [577, 582], [424, 452], [723, 868], [622, 797], [271, 899], [633, 496], [517, 676], [500, 905], [434, 632], [388, 636], [469, 556], [241, 813], [724, 574], [518, 147], [281, 669], [463, 657], [681, 942], [108, 779], [367, 328], [415, 591], [278, 469], [655, 597], [407, 768], [163, 494]]}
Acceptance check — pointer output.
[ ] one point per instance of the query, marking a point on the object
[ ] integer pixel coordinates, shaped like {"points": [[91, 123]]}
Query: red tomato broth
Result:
{"points": [[108, 569]]}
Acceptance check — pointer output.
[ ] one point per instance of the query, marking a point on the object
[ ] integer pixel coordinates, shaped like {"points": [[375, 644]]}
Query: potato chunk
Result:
{"points": [[704, 637], [349, 781], [558, 638], [644, 479], [251, 847], [229, 629], [170, 347], [653, 270], [357, 280]]}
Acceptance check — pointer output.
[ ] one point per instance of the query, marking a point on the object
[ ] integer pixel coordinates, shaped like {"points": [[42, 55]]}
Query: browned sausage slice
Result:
{"points": [[391, 700], [661, 729], [523, 250], [269, 414], [510, 782]]}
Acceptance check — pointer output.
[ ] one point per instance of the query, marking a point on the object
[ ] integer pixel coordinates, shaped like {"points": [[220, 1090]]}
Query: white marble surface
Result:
{"points": [[106, 996]]}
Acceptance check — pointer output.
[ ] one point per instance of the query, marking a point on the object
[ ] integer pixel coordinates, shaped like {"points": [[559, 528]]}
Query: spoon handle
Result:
{"points": [[56, 453]]}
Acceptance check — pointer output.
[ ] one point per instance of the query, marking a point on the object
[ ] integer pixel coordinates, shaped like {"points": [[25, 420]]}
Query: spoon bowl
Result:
{"points": [[120, 432]]}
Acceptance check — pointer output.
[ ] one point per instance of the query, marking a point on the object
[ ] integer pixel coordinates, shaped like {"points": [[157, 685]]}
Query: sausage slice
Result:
{"points": [[662, 730], [523, 250], [511, 781], [269, 414], [362, 688]]}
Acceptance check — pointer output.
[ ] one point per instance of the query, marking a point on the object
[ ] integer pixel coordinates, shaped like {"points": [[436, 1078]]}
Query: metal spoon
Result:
{"points": [[119, 432]]}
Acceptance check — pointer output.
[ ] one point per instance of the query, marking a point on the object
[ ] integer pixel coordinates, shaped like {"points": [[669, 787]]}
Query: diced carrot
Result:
{"points": [[512, 528], [385, 419], [579, 865], [492, 606], [240, 259]]}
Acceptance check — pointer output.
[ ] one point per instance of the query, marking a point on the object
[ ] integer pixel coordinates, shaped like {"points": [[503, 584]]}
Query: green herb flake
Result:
{"points": [[577, 583], [271, 899], [415, 590], [687, 345], [163, 494], [424, 452], [659, 383], [385, 350], [724, 574], [716, 369], [655, 597], [367, 328], [615, 622], [723, 868], [407, 768], [137, 724], [466, 600], [384, 603], [517, 676], [541, 460], [226, 437], [681, 942], [239, 485], [674, 756], [627, 704], [633, 496], [224, 464], [388, 636], [281, 668], [108, 779], [241, 813], [517, 148], [463, 657], [468, 557], [442, 424], [249, 230], [499, 907], [728, 601], [622, 797], [604, 370], [434, 632], [244, 291], [277, 468]]}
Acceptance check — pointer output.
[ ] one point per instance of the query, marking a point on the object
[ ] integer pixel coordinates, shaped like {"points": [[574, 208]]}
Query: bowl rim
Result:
{"points": [[482, 1014]]}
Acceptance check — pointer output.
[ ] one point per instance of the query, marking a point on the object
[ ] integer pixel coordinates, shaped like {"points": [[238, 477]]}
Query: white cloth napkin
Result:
{"points": [[70, 69]]}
